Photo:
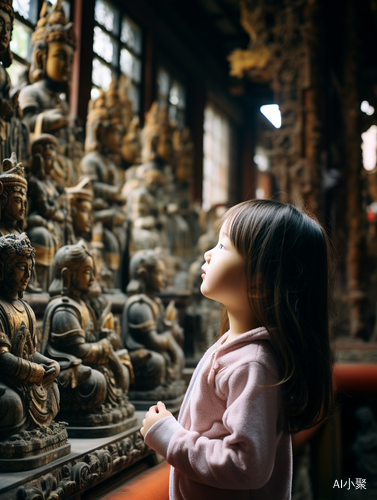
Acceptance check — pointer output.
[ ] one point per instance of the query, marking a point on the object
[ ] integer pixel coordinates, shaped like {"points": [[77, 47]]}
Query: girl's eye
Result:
{"points": [[221, 246]]}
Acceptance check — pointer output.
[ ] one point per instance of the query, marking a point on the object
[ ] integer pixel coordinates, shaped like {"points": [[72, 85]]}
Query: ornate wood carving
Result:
{"points": [[76, 476]]}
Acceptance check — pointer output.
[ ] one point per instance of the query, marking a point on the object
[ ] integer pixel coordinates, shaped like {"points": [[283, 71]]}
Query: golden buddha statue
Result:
{"points": [[44, 110], [94, 377], [29, 395], [131, 144], [151, 333], [104, 136], [48, 224]]}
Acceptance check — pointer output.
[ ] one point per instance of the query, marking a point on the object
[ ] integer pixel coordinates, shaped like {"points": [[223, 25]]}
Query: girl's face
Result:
{"points": [[224, 277]]}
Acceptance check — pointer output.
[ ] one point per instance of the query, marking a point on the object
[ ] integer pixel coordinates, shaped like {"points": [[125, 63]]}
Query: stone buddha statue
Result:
{"points": [[29, 395], [143, 213], [104, 136], [13, 197], [13, 134], [158, 154], [48, 225], [185, 240], [131, 144], [94, 376], [151, 333], [80, 199], [44, 109]]}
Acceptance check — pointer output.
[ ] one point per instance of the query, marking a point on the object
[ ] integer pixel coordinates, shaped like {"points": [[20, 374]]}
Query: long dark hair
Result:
{"points": [[287, 262]]}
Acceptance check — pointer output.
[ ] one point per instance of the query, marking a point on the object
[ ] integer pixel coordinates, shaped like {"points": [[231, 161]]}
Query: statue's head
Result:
{"points": [[153, 179], [13, 192], [184, 148], [44, 151], [104, 126], [16, 264], [6, 27], [73, 269], [81, 201], [157, 135], [147, 273], [53, 46]]}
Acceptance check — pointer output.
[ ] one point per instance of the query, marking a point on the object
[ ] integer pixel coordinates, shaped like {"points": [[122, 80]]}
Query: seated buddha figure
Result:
{"points": [[94, 377], [48, 224], [151, 333], [29, 395], [102, 145], [44, 109]]}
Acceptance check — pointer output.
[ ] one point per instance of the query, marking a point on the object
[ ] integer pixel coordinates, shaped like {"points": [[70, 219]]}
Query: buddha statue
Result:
{"points": [[80, 200], [143, 213], [44, 109], [29, 395], [151, 333], [13, 197], [158, 154], [131, 145], [102, 146], [186, 234], [48, 224], [13, 134], [94, 376]]}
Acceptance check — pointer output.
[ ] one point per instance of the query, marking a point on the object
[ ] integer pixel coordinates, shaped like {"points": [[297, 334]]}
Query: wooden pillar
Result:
{"points": [[196, 101], [82, 61], [356, 244], [248, 172], [150, 74]]}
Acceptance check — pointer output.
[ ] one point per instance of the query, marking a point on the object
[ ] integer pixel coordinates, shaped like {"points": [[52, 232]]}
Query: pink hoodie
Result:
{"points": [[227, 442]]}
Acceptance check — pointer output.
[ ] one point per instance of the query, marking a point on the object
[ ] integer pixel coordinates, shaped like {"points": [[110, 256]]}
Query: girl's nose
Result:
{"points": [[207, 256]]}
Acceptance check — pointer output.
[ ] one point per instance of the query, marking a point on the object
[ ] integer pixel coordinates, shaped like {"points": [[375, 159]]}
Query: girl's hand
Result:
{"points": [[155, 413]]}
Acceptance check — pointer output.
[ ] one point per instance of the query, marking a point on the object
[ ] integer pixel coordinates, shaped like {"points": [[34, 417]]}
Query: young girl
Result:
{"points": [[269, 375]]}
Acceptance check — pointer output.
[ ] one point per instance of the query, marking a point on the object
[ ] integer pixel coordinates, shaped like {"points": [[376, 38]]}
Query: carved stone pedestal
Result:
{"points": [[90, 462], [31, 449]]}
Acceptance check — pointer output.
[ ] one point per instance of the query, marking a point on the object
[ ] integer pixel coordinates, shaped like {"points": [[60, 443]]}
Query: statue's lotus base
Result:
{"points": [[32, 449]]}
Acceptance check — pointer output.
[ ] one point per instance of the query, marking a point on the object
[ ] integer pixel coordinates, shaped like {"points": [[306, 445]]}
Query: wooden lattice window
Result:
{"points": [[117, 46], [216, 157], [171, 93]]}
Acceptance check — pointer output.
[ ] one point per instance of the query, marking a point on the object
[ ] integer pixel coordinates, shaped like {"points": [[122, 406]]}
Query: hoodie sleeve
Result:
{"points": [[245, 457]]}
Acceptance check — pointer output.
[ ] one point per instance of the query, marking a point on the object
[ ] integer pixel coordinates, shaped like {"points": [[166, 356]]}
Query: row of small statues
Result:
{"points": [[140, 179], [83, 369]]}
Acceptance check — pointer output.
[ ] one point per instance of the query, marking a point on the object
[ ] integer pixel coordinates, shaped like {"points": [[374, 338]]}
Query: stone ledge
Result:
{"points": [[90, 462]]}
